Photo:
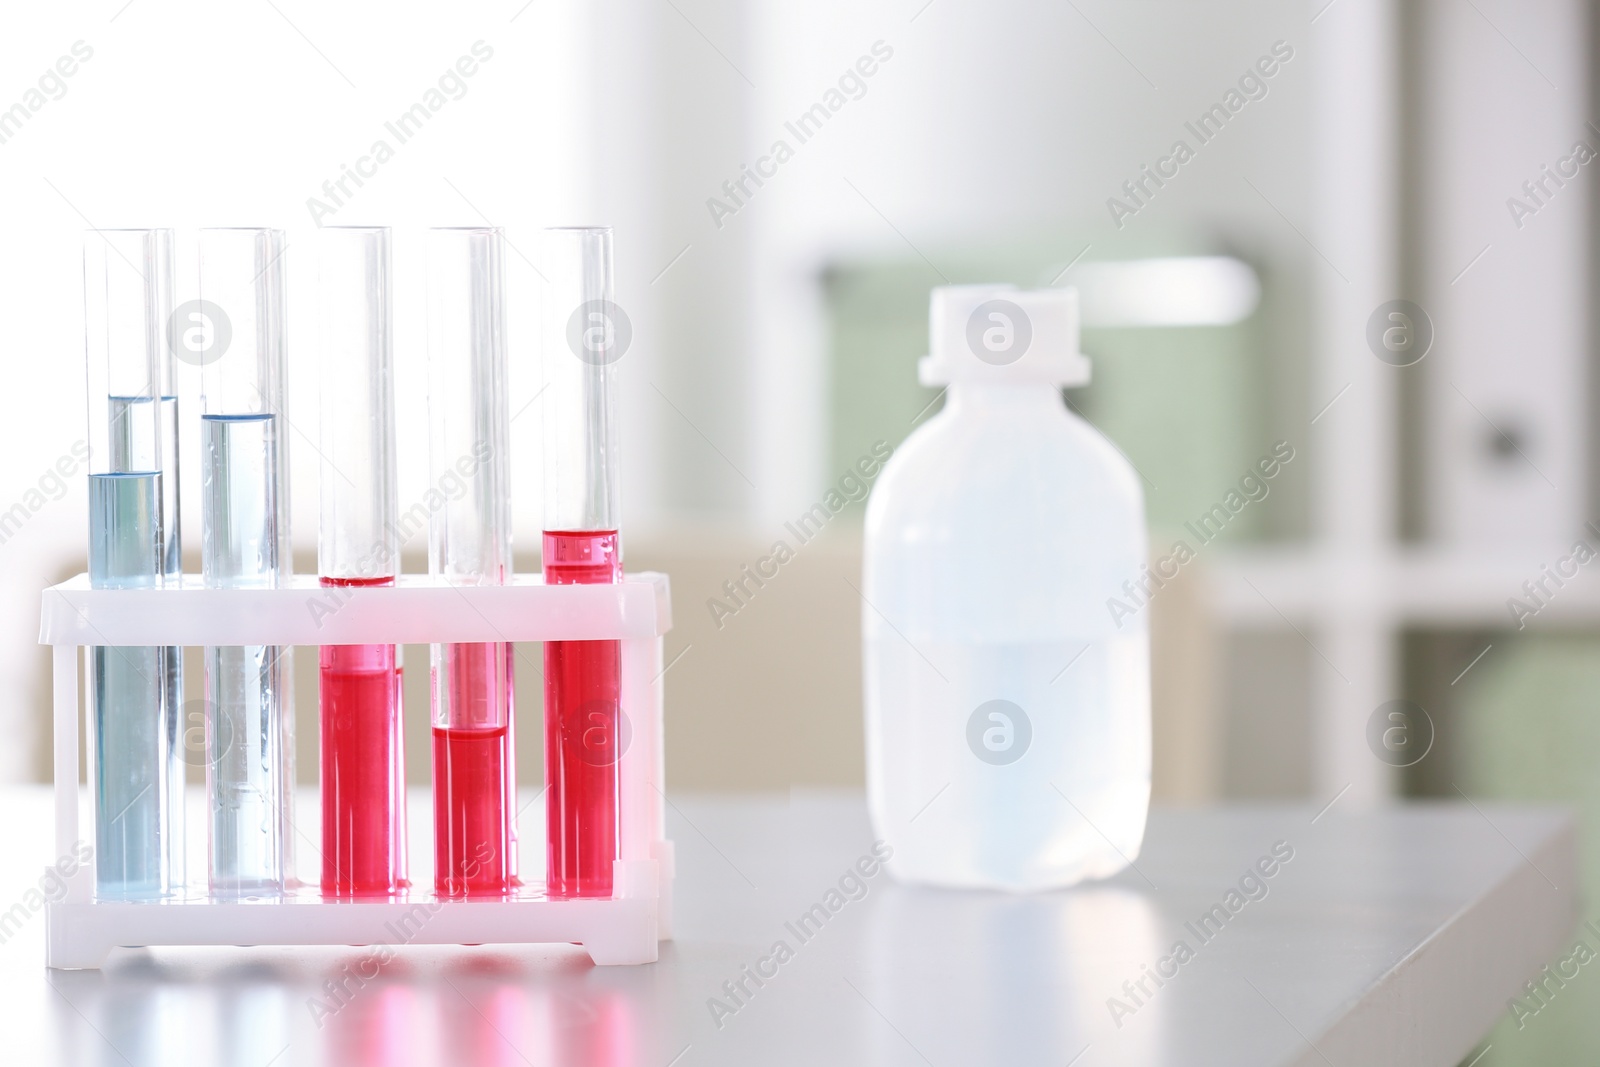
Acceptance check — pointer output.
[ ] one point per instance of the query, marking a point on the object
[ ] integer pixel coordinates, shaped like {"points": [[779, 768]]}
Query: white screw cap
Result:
{"points": [[1001, 335]]}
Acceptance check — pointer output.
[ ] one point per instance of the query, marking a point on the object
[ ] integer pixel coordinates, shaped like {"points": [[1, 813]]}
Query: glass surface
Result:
{"points": [[171, 507], [363, 750], [582, 729], [249, 717], [356, 533], [362, 771], [248, 734], [582, 710], [137, 768], [127, 298], [134, 542], [581, 343], [474, 780], [469, 543]]}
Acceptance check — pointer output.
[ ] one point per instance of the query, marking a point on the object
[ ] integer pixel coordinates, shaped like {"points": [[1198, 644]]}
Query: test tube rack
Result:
{"points": [[624, 929]]}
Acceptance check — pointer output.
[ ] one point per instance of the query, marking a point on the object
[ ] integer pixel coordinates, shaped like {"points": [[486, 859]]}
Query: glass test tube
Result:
{"points": [[249, 719], [171, 481], [135, 692], [362, 753], [469, 543], [582, 709]]}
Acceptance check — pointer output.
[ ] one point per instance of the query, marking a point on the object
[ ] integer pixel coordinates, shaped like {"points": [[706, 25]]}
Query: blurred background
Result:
{"points": [[1374, 250]]}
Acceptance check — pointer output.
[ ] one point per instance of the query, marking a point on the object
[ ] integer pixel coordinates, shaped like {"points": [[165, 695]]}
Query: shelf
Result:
{"points": [[1262, 586]]}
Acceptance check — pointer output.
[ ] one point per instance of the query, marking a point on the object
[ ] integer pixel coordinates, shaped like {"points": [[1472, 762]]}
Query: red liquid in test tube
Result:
{"points": [[363, 750], [474, 800], [582, 731], [584, 336], [362, 766], [469, 544]]}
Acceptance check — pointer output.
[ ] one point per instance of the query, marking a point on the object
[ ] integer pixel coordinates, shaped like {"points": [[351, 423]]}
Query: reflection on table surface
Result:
{"points": [[250, 1008], [874, 982], [793, 948]]}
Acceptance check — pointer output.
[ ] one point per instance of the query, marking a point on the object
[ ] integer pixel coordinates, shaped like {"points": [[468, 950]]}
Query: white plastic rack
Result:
{"points": [[624, 929]]}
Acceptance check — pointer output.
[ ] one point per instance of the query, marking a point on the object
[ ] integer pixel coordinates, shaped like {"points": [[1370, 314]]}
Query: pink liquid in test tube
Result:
{"points": [[362, 755], [581, 728], [469, 543], [474, 800], [363, 789], [584, 335]]}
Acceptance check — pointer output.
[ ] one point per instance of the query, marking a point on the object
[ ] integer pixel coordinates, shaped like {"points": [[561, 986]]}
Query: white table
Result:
{"points": [[1391, 937]]}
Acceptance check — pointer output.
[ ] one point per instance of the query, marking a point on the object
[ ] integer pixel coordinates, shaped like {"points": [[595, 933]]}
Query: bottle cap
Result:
{"points": [[1002, 335]]}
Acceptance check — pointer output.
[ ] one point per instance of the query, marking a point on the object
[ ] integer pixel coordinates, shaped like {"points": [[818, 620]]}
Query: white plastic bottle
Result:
{"points": [[1007, 706]]}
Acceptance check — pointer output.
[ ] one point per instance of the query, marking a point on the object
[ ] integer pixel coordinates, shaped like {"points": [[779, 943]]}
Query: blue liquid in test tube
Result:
{"points": [[247, 735], [249, 718], [137, 771], [138, 777]]}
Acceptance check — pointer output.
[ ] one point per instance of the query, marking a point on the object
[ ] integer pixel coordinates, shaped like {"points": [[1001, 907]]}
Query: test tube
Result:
{"points": [[581, 678], [135, 691], [171, 482], [362, 752], [244, 508], [469, 543]]}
